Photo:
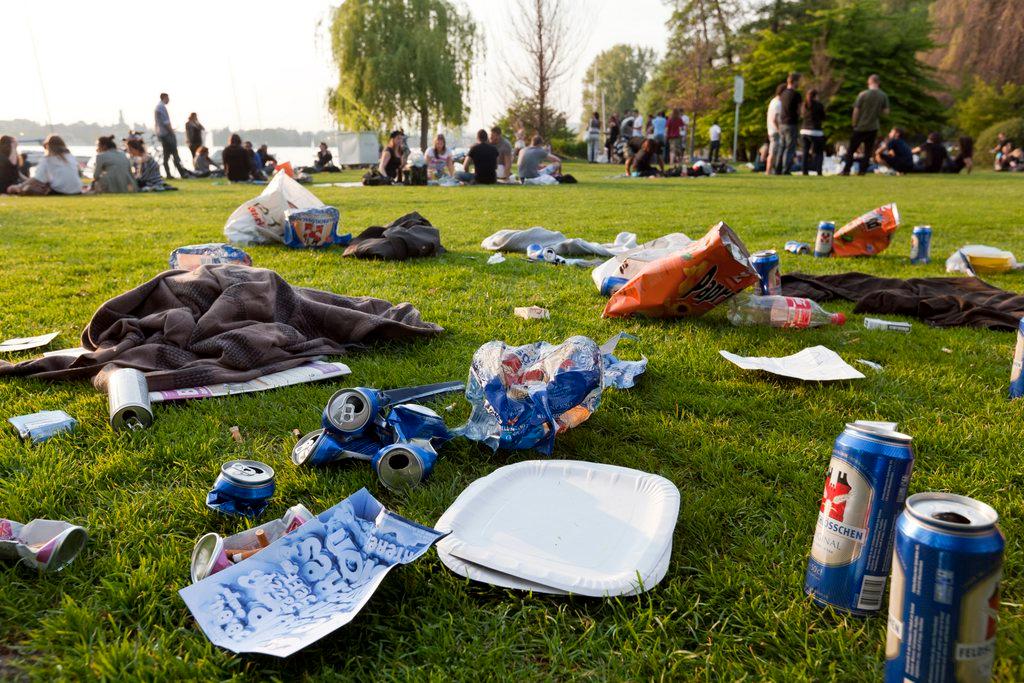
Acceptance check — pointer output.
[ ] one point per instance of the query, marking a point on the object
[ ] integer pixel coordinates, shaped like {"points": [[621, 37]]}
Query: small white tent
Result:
{"points": [[357, 149]]}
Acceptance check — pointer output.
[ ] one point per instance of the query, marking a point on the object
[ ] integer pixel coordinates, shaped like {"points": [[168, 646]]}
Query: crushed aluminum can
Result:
{"points": [[212, 553], [355, 411], [532, 312], [794, 247], [889, 325], [766, 264], [404, 465], [38, 427], [243, 487], [45, 544], [128, 396], [322, 446], [536, 252]]}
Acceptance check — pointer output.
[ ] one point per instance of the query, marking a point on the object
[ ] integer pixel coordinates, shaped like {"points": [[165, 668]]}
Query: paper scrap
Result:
{"points": [[73, 352], [309, 582], [496, 259], [814, 364], [308, 372], [532, 312], [26, 343], [871, 364]]}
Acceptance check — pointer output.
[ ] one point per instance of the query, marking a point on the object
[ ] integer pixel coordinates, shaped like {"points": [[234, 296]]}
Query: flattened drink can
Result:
{"points": [[944, 600], [243, 487], [865, 486], [1017, 370], [766, 264], [921, 244], [403, 465], [823, 242]]}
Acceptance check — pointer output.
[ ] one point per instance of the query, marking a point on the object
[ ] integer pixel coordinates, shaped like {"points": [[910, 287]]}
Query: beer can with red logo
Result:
{"points": [[944, 599], [865, 487]]}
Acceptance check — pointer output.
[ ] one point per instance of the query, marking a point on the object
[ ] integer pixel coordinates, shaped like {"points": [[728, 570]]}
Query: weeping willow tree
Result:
{"points": [[401, 61]]}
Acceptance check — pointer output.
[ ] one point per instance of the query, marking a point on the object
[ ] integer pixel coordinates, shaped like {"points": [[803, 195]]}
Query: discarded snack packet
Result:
{"points": [[46, 544], [522, 396], [308, 583], [689, 282], [317, 227], [213, 553], [215, 253], [794, 247], [867, 235], [532, 312], [38, 427]]}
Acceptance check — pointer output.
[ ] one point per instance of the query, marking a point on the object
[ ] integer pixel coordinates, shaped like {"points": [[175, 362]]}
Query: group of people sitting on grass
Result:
{"points": [[489, 161], [1007, 157], [894, 154]]}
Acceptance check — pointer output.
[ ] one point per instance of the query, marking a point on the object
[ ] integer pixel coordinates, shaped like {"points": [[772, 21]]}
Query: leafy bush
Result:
{"points": [[570, 147], [985, 105], [1014, 129]]}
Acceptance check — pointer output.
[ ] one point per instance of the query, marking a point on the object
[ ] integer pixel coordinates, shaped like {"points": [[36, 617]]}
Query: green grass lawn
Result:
{"points": [[746, 450]]}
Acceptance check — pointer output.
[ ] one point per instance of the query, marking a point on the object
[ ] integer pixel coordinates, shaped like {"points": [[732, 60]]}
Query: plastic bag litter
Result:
{"points": [[633, 261], [194, 255], [522, 396], [688, 282], [261, 219], [979, 258], [313, 228], [867, 235]]}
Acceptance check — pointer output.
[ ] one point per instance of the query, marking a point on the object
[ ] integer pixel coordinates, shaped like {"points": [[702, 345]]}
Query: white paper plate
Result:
{"points": [[578, 527], [476, 572]]}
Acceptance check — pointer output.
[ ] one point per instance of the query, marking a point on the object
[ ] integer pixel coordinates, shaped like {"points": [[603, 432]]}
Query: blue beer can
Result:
{"points": [[352, 411], [944, 598], [865, 486], [921, 244], [766, 264], [404, 465], [243, 487], [612, 284], [823, 242], [796, 247], [1017, 369], [321, 447]]}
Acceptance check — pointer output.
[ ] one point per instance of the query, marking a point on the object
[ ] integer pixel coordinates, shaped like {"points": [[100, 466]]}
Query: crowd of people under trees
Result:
{"points": [[795, 142]]}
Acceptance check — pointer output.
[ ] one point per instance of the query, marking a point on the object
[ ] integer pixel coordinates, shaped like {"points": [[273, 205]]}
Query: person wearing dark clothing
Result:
{"points": [[896, 153], [236, 160], [642, 165], [964, 157], [812, 118], [933, 153], [168, 139], [255, 166], [324, 161], [484, 158], [871, 105], [391, 157], [9, 173], [789, 120], [194, 133], [612, 137]]}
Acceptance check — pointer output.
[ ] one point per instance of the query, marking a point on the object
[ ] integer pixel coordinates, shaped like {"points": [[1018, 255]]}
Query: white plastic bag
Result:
{"points": [[261, 219]]}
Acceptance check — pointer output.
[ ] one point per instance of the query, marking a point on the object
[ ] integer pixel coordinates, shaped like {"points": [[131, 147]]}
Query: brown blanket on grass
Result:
{"points": [[939, 301], [224, 323]]}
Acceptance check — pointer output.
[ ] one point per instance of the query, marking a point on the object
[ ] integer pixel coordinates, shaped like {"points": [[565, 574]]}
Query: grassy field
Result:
{"points": [[746, 450]]}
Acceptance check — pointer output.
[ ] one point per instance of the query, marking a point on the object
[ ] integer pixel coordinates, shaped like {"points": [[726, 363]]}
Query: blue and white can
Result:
{"points": [[865, 486], [796, 247], [766, 264], [823, 242], [1017, 369], [243, 487], [612, 284], [944, 599], [321, 447], [404, 465], [921, 244]]}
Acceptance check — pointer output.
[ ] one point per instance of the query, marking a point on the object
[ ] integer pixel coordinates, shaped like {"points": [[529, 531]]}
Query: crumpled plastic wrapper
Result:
{"points": [[867, 235], [522, 396]]}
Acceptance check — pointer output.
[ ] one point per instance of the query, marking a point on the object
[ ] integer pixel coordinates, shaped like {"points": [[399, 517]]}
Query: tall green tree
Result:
{"points": [[617, 74], [384, 80]]}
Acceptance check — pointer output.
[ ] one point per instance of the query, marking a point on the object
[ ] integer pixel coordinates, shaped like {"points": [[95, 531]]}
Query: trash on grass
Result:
{"points": [[978, 258], [780, 311], [689, 282], [243, 487], [814, 364], [519, 240], [45, 544], [921, 244], [26, 343], [769, 277], [38, 427], [1017, 369], [315, 227], [889, 325], [194, 255], [236, 434], [871, 364], [522, 396], [313, 371], [794, 247], [262, 218], [824, 239], [618, 270], [495, 259], [867, 235], [532, 312], [128, 398], [308, 583]]}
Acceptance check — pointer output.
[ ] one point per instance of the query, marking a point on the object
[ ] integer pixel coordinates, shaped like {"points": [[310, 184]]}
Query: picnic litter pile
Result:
{"points": [[215, 326]]}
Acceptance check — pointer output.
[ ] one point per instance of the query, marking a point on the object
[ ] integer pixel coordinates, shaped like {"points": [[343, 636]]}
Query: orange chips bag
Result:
{"points": [[867, 235], [689, 282]]}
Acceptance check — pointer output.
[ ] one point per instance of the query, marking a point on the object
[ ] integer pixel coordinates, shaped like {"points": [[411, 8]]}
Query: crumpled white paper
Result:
{"points": [[814, 364], [26, 343]]}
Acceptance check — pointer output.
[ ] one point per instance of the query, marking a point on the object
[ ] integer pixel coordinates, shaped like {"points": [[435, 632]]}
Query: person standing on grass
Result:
{"points": [[593, 138], [674, 137], [715, 135], [611, 138], [659, 132], [789, 122], [165, 133], [194, 133], [774, 134], [871, 105], [812, 118]]}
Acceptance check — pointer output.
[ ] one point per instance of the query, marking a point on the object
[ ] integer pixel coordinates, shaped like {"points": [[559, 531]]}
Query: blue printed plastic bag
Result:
{"points": [[316, 227]]}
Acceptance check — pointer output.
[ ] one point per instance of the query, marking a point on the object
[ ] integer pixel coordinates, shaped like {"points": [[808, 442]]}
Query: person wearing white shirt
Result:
{"points": [[774, 132], [715, 134], [638, 125], [56, 172]]}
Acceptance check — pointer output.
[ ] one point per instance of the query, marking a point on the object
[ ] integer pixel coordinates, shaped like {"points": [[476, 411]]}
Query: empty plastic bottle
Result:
{"points": [[780, 311]]}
